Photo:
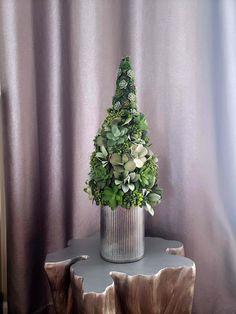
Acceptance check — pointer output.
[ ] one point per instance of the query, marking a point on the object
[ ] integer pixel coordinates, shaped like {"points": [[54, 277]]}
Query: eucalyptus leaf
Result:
{"points": [[133, 147], [88, 190], [138, 162], [144, 191], [127, 179], [143, 152], [154, 198], [125, 158], [132, 175], [115, 130], [109, 136], [115, 159], [137, 176], [124, 131], [104, 151], [125, 173], [138, 148], [125, 188], [99, 140], [99, 155], [130, 165], [149, 208], [131, 186], [118, 168], [127, 120]]}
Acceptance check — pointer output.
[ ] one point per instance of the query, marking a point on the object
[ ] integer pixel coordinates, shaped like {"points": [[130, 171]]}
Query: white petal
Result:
{"points": [[138, 162]]}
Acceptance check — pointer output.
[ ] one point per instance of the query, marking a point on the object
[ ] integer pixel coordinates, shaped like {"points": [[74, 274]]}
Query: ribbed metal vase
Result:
{"points": [[122, 234]]}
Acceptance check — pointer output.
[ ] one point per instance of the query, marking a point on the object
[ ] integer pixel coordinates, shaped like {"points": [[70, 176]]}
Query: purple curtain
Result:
{"points": [[58, 65]]}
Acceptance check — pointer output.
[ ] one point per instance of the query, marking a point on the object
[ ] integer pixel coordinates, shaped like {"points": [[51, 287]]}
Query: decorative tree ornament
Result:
{"points": [[124, 170]]}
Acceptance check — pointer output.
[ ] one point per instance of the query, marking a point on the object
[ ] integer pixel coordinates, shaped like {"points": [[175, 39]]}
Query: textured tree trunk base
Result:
{"points": [[168, 291]]}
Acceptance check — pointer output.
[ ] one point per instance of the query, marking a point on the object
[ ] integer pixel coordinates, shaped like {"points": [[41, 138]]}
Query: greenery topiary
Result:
{"points": [[123, 168]]}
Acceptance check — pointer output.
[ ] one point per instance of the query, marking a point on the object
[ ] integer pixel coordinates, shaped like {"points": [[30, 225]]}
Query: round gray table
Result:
{"points": [[82, 282]]}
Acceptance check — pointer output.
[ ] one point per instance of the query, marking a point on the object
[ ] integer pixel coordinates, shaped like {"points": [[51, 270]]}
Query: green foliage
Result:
{"points": [[123, 168], [132, 199], [148, 174], [112, 196], [115, 135]]}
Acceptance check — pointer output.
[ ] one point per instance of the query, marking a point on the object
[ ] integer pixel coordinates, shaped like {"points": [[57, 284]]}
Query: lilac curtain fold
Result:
{"points": [[58, 64]]}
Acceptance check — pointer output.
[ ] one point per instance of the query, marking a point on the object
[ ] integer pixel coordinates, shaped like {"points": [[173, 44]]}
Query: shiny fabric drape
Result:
{"points": [[58, 64]]}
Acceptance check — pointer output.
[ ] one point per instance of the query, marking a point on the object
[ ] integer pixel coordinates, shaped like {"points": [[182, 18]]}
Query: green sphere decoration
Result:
{"points": [[123, 169]]}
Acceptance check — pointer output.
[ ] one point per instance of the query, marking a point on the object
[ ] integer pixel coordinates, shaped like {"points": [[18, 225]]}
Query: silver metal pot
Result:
{"points": [[122, 234]]}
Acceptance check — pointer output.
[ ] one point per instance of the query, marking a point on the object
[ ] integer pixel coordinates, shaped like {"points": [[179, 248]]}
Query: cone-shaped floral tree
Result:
{"points": [[124, 171]]}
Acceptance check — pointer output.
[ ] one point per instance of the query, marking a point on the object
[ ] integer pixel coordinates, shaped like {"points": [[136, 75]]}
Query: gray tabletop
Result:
{"points": [[96, 272]]}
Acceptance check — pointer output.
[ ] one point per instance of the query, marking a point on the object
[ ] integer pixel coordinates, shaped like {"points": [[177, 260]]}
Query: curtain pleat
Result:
{"points": [[58, 68]]}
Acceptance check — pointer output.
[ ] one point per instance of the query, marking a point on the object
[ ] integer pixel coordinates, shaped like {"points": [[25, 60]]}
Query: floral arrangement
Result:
{"points": [[124, 170]]}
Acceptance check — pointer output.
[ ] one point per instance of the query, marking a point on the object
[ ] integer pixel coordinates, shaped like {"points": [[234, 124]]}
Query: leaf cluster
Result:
{"points": [[124, 170]]}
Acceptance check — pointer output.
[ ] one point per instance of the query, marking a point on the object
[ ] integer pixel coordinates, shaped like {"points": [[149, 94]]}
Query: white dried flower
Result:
{"points": [[123, 84], [131, 97], [130, 74], [117, 105], [119, 72]]}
